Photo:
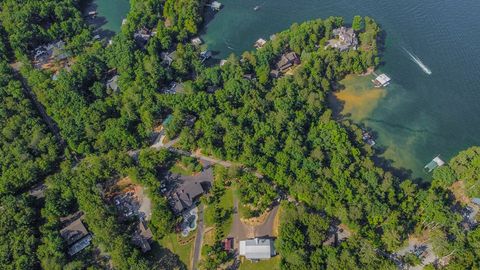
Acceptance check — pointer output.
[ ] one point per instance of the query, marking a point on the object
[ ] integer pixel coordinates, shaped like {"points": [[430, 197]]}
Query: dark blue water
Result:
{"points": [[422, 115]]}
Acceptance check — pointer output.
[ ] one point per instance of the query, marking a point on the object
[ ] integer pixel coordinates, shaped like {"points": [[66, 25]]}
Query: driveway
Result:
{"points": [[266, 229], [198, 239], [239, 230]]}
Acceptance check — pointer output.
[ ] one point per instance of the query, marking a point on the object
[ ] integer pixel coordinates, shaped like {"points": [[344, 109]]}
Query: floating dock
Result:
{"points": [[381, 80], [435, 163]]}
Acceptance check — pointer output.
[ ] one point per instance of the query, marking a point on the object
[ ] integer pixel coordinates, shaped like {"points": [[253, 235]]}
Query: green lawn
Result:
{"points": [[226, 202], [183, 251], [186, 166], [272, 264]]}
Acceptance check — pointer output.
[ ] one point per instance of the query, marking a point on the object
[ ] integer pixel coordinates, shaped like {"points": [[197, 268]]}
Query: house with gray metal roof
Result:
{"points": [[257, 249]]}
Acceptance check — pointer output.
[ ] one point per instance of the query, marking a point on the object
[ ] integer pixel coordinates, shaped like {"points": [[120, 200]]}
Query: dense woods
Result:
{"points": [[281, 127], [29, 151]]}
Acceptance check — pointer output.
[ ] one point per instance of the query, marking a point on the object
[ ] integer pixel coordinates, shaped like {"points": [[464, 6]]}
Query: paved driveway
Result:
{"points": [[198, 238], [241, 231]]}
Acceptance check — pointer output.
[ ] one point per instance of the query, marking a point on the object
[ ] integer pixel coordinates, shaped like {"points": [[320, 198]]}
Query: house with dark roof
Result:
{"points": [[287, 61], [143, 236], [185, 196], [76, 236], [168, 57], [257, 249]]}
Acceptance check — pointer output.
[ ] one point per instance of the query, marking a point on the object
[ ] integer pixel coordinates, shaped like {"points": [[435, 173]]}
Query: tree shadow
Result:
{"points": [[163, 258], [97, 22]]}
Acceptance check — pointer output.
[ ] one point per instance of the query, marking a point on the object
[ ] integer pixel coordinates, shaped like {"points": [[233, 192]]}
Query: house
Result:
{"points": [[173, 88], [196, 41], [260, 43], [345, 39], [228, 244], [76, 236], [257, 249], [51, 52], [142, 36], [287, 61], [143, 236], [113, 83], [223, 62], [185, 196], [275, 74], [168, 58]]}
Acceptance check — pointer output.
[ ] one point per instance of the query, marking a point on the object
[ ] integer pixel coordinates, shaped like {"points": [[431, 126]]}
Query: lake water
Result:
{"points": [[417, 117], [110, 14]]}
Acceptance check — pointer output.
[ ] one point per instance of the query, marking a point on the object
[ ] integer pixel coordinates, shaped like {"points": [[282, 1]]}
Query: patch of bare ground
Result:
{"points": [[458, 190]]}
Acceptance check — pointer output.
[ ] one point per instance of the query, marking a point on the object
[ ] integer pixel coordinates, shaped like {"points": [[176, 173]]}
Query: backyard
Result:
{"points": [[183, 251], [226, 202], [272, 264]]}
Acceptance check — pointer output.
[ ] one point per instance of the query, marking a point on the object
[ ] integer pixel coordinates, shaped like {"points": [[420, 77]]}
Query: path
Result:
{"points": [[41, 110], [198, 239]]}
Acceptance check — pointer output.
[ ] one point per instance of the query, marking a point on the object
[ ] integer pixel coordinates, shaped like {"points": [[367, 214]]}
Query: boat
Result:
{"points": [[256, 8]]}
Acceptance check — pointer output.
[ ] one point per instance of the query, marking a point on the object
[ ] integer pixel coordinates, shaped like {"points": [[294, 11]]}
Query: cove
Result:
{"points": [[431, 52], [110, 14]]}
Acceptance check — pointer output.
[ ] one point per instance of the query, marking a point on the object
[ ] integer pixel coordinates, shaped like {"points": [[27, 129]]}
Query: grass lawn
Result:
{"points": [[226, 202], [183, 251], [272, 264], [186, 166]]}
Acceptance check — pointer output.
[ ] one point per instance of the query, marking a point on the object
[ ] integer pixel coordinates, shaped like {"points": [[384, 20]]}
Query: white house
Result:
{"points": [[257, 249]]}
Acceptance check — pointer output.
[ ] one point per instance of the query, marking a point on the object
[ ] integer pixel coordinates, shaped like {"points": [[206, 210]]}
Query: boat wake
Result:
{"points": [[418, 62]]}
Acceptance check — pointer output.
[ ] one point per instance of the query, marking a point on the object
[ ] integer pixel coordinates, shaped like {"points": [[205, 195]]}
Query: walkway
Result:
{"points": [[198, 239]]}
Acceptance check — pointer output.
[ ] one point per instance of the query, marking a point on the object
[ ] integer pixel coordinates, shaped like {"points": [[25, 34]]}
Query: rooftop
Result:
{"points": [[184, 196], [436, 162], [196, 41], [345, 38], [287, 61], [257, 248], [74, 231], [260, 43], [80, 245], [113, 83]]}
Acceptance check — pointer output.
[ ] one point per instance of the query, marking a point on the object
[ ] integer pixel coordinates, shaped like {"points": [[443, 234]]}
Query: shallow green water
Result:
{"points": [[110, 14], [421, 115]]}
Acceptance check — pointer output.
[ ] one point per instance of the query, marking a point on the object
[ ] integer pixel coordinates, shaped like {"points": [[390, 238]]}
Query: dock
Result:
{"points": [[381, 80], [435, 163], [215, 5], [260, 43], [368, 138]]}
